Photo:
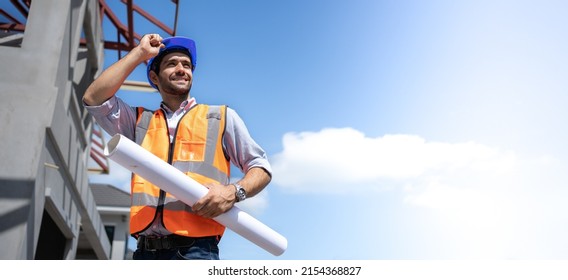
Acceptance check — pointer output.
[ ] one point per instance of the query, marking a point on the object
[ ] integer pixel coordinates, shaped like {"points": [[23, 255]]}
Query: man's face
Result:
{"points": [[175, 76]]}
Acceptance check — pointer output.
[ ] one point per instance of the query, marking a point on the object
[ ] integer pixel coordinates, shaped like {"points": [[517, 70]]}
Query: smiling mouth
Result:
{"points": [[179, 80]]}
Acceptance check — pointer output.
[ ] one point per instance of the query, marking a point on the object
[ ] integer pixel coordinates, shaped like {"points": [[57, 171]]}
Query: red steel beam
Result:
{"points": [[20, 7], [10, 17], [12, 27], [97, 143], [121, 28], [98, 153], [126, 31], [130, 23], [176, 17], [151, 18], [99, 162], [109, 45]]}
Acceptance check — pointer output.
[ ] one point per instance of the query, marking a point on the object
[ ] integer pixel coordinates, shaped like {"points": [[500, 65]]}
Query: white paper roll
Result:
{"points": [[140, 161]]}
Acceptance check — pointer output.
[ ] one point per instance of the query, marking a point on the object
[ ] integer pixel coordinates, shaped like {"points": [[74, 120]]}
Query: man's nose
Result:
{"points": [[179, 68]]}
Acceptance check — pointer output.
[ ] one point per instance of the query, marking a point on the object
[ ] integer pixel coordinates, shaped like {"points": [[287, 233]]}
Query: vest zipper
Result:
{"points": [[161, 199]]}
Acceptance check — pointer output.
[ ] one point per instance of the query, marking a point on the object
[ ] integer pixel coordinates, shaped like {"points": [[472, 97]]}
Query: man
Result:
{"points": [[198, 139]]}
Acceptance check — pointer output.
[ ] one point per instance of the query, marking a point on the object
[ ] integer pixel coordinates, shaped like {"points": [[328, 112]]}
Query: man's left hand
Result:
{"points": [[217, 201]]}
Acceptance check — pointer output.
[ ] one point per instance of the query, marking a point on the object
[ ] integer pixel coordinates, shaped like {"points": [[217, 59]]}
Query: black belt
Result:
{"points": [[166, 242]]}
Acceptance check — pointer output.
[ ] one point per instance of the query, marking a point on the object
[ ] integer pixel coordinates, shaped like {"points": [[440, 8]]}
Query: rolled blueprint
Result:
{"points": [[142, 162]]}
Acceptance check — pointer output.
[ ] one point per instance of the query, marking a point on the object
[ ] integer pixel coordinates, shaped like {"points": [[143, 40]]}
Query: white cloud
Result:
{"points": [[493, 203], [330, 159]]}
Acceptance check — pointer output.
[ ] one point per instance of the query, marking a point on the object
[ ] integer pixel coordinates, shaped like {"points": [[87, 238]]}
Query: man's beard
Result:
{"points": [[173, 89]]}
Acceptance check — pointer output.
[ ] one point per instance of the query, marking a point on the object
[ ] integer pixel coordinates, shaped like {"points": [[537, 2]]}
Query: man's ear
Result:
{"points": [[154, 77]]}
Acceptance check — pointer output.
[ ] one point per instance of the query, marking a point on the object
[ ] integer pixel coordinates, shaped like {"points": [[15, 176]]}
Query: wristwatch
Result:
{"points": [[240, 193]]}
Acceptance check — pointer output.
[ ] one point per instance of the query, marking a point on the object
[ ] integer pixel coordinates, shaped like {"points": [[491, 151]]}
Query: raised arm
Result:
{"points": [[108, 83]]}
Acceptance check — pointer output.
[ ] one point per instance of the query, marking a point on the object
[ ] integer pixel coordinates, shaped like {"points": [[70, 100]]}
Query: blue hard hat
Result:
{"points": [[178, 44]]}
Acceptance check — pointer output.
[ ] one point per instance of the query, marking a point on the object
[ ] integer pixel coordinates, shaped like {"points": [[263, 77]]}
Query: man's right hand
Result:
{"points": [[150, 45]]}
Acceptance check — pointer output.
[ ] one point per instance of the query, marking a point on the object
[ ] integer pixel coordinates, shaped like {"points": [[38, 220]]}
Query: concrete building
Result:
{"points": [[47, 208], [114, 207], [44, 147]]}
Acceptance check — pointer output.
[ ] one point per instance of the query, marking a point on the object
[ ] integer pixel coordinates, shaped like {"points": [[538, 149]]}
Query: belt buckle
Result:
{"points": [[148, 241], [163, 242], [144, 241]]}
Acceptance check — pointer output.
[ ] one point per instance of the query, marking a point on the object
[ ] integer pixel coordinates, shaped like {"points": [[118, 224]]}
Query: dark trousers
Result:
{"points": [[205, 248]]}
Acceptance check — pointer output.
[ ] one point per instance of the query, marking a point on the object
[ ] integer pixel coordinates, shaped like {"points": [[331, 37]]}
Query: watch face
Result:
{"points": [[241, 195]]}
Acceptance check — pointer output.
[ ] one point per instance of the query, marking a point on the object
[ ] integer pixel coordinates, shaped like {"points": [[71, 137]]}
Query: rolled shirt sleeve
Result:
{"points": [[241, 148], [115, 116]]}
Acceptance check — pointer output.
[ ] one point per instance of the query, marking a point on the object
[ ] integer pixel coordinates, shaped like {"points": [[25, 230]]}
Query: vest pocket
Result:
{"points": [[191, 150]]}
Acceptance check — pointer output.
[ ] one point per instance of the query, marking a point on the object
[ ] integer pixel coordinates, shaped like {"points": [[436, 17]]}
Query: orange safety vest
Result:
{"points": [[197, 150]]}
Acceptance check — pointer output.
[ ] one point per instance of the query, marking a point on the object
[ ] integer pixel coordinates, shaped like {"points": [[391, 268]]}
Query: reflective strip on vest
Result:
{"points": [[143, 121], [203, 168], [213, 119], [143, 199], [176, 205], [172, 203]]}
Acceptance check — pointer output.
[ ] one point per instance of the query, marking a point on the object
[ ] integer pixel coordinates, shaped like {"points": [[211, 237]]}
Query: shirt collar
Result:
{"points": [[185, 105]]}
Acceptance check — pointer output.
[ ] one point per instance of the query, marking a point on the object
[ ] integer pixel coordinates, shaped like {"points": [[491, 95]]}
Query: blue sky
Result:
{"points": [[396, 129]]}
